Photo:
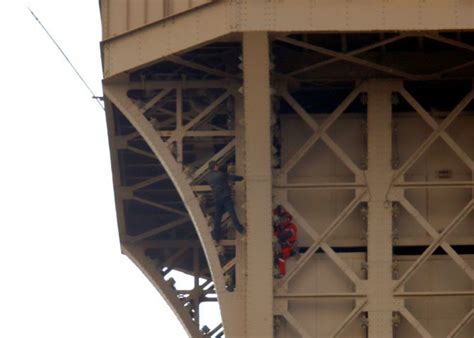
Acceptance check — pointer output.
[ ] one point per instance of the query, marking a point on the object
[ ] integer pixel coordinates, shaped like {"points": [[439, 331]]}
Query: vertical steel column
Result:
{"points": [[258, 175], [379, 175], [240, 246]]}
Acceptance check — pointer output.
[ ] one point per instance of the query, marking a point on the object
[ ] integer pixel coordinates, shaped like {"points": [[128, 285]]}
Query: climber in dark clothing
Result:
{"points": [[219, 181]]}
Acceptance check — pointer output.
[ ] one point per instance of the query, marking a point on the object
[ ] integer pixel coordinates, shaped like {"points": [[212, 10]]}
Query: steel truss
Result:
{"points": [[320, 240], [164, 121], [393, 192], [167, 146], [230, 17]]}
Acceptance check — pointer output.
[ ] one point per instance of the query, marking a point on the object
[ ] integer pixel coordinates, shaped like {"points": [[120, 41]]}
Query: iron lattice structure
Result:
{"points": [[356, 117]]}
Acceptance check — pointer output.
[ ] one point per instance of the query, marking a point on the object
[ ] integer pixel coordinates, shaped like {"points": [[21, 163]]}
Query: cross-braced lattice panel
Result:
{"points": [[355, 56], [435, 239], [179, 116], [159, 235], [321, 184]]}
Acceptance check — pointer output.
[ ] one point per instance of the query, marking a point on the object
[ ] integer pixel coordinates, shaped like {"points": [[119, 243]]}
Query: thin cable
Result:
{"points": [[95, 97]]}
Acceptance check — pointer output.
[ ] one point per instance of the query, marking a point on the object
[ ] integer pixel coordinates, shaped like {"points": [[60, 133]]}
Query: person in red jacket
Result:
{"points": [[285, 232]]}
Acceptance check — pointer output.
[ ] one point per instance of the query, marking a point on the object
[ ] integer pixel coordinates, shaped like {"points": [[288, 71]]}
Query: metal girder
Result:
{"points": [[462, 324], [146, 265], [296, 325], [184, 31], [436, 242], [114, 157], [180, 61], [240, 269], [435, 184], [320, 241], [159, 206], [122, 140], [118, 95], [229, 265], [141, 152], [180, 33], [200, 133], [434, 136], [215, 330], [258, 183], [159, 230], [379, 220], [179, 125], [177, 243], [155, 100], [435, 126], [201, 188], [208, 110], [173, 258], [453, 68], [349, 54], [350, 57], [324, 186], [447, 293], [147, 182], [434, 234], [353, 59], [320, 132], [354, 313], [202, 170], [454, 43], [312, 296], [183, 84], [414, 322]]}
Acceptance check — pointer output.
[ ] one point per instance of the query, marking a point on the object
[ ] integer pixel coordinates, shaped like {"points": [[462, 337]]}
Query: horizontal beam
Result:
{"points": [[312, 296], [201, 188], [419, 294], [423, 240], [200, 133], [119, 52], [176, 243], [212, 71], [329, 186], [184, 84], [436, 184]]}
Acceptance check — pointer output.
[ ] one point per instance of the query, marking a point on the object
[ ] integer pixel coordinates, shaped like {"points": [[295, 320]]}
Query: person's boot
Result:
{"points": [[241, 229], [276, 273], [216, 237]]}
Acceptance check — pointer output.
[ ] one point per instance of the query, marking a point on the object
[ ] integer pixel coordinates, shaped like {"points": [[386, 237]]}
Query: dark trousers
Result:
{"points": [[223, 205]]}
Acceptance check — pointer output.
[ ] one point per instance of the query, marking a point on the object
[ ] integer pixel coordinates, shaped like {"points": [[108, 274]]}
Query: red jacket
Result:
{"points": [[286, 232]]}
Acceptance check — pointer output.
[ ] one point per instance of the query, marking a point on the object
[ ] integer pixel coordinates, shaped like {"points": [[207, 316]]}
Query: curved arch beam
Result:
{"points": [[117, 94], [137, 256]]}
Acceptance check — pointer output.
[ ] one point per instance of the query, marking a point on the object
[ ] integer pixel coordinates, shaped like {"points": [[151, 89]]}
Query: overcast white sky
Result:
{"points": [[62, 274]]}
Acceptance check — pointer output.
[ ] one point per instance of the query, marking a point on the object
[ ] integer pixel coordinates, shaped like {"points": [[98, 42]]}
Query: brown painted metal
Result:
{"points": [[383, 196]]}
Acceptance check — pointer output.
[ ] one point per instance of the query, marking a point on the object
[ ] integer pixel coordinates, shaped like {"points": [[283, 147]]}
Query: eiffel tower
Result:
{"points": [[355, 117]]}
